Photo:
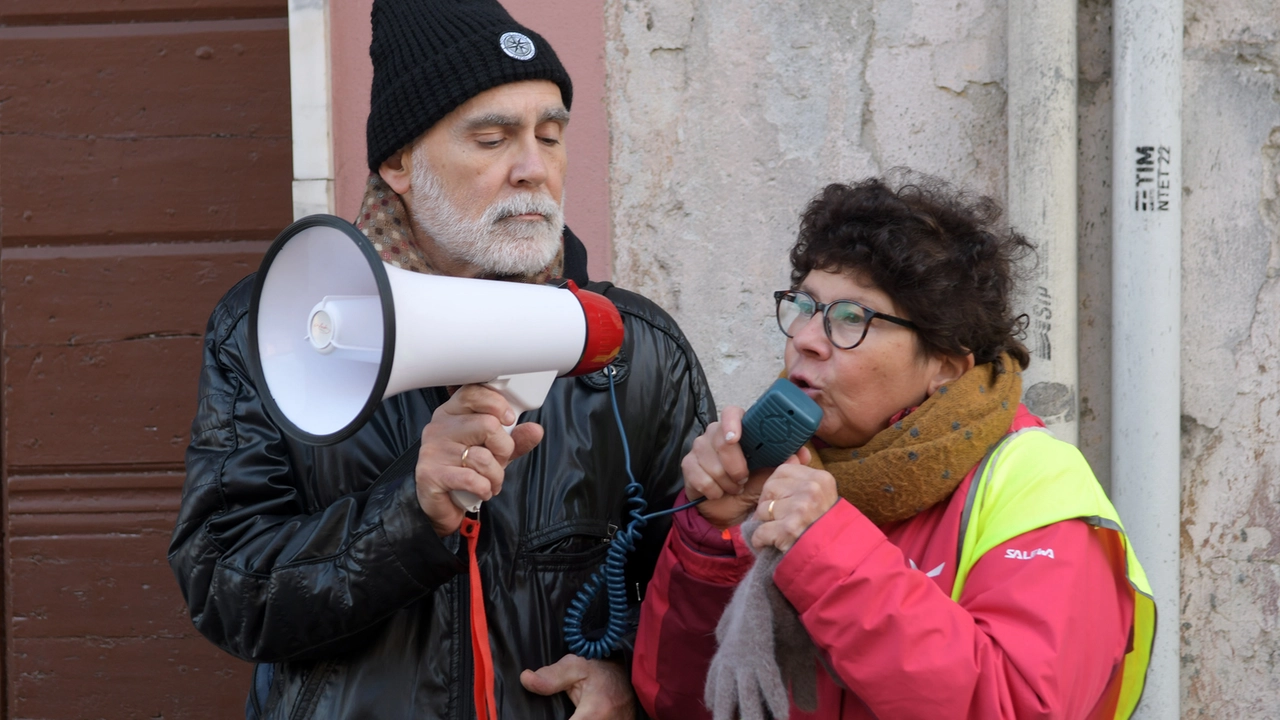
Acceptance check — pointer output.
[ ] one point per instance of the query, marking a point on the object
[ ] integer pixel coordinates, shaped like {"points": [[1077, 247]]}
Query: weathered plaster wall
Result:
{"points": [[1230, 337], [1231, 360], [1093, 226], [726, 117]]}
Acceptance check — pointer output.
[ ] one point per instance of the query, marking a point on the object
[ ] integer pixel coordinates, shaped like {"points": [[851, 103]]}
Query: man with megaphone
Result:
{"points": [[341, 569]]}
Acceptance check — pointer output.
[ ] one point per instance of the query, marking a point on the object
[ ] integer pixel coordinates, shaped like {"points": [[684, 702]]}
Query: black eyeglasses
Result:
{"points": [[846, 321]]}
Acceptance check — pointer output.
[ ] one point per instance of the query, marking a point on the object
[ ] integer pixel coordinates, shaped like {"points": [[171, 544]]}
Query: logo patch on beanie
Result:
{"points": [[517, 45]]}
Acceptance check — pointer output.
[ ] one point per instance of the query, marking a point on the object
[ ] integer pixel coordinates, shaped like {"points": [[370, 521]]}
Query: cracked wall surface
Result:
{"points": [[1231, 360], [725, 118], [1093, 227]]}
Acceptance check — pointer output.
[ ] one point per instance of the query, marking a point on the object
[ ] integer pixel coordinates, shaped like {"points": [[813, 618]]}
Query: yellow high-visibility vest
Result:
{"points": [[1031, 480]]}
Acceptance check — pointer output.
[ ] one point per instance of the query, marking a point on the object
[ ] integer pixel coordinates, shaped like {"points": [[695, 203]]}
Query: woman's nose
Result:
{"points": [[811, 336]]}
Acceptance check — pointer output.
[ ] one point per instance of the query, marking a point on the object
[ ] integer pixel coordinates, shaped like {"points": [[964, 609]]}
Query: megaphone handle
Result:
{"points": [[523, 392]]}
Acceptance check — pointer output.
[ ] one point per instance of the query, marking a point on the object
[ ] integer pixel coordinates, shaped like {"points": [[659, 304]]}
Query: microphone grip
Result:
{"points": [[778, 424], [523, 392]]}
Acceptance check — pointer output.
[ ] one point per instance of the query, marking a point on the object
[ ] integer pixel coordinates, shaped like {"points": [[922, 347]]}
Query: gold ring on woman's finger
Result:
{"points": [[465, 450], [770, 509]]}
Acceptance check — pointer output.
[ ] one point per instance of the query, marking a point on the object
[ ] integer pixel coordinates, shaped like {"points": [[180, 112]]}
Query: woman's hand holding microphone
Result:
{"points": [[787, 499]]}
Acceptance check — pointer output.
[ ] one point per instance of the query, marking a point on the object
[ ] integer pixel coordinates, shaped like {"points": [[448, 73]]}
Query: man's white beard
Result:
{"points": [[493, 243]]}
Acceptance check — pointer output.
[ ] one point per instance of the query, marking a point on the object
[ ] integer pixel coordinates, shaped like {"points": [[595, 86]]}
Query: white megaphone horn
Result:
{"points": [[334, 331]]}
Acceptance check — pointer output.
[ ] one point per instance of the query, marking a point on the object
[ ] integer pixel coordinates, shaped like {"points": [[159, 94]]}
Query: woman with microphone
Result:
{"points": [[934, 552]]}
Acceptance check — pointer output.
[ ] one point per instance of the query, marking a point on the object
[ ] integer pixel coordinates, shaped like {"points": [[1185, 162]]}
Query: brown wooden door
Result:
{"points": [[144, 167]]}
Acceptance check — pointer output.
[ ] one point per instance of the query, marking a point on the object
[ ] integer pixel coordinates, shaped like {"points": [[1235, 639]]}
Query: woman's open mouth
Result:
{"points": [[803, 383]]}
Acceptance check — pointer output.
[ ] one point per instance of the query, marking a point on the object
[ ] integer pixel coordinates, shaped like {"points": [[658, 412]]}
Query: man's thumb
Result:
{"points": [[543, 681], [526, 437]]}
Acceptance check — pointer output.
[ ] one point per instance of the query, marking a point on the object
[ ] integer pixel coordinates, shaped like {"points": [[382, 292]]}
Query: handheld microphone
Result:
{"points": [[777, 425]]}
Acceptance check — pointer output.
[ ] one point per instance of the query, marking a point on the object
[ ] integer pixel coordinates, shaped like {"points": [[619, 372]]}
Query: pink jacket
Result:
{"points": [[1040, 630]]}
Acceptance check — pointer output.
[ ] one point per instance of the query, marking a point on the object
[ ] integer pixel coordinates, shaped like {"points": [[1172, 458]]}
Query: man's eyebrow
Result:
{"points": [[557, 114], [489, 120], [498, 120]]}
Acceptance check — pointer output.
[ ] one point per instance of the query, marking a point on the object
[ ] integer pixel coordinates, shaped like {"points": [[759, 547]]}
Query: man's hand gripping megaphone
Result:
{"points": [[469, 443]]}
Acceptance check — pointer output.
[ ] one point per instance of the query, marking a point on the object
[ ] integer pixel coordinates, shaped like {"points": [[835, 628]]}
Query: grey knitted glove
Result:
{"points": [[763, 648]]}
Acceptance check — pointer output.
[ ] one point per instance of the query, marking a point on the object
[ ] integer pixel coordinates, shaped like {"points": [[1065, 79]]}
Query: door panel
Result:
{"points": [[137, 134], [51, 12], [65, 297], [98, 677], [144, 168], [106, 350]]}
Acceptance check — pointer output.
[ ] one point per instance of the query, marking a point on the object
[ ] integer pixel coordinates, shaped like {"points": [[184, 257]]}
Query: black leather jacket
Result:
{"points": [[320, 560]]}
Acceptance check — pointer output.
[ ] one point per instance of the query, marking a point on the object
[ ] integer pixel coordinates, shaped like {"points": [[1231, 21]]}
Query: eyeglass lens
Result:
{"points": [[844, 324]]}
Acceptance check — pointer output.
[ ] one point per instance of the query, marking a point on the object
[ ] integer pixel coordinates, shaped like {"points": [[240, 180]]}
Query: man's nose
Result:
{"points": [[530, 168]]}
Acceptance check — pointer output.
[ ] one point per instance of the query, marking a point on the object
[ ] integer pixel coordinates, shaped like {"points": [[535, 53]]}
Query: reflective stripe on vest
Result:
{"points": [[1031, 480]]}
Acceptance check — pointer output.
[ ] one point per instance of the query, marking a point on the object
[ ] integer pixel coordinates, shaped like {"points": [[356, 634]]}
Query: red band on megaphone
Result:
{"points": [[604, 331]]}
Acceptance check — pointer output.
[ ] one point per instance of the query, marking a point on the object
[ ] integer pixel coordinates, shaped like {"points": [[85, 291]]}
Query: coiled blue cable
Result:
{"points": [[611, 574]]}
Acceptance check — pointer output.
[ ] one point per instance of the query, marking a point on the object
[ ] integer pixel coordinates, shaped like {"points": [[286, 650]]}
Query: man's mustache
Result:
{"points": [[523, 205]]}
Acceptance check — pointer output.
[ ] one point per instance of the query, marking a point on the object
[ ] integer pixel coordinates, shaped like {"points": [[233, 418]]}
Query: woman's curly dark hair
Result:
{"points": [[938, 253]]}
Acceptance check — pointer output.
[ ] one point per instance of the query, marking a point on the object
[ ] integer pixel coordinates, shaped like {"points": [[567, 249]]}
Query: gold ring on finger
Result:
{"points": [[465, 451], [770, 509]]}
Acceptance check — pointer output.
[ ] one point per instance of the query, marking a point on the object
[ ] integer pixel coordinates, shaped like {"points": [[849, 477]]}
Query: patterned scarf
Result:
{"points": [[384, 219], [920, 459]]}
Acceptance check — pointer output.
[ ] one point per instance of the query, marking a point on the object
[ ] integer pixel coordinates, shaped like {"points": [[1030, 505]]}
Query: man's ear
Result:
{"points": [[397, 171], [950, 367]]}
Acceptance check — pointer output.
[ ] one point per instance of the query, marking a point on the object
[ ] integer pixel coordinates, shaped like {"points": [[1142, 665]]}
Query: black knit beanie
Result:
{"points": [[430, 56]]}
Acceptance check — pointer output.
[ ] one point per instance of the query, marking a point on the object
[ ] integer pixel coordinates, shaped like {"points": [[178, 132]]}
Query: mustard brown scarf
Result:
{"points": [[919, 460], [385, 221]]}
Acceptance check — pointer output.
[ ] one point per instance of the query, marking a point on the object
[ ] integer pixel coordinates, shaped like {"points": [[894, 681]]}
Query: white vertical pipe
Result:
{"points": [[309, 83], [1146, 232], [1043, 148]]}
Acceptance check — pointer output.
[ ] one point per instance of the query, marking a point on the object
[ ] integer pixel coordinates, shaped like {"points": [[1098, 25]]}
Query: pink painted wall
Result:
{"points": [[351, 78], [575, 28]]}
